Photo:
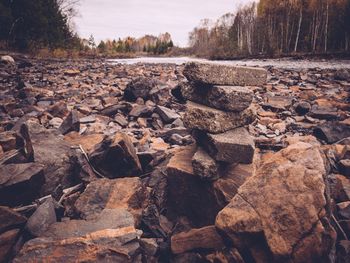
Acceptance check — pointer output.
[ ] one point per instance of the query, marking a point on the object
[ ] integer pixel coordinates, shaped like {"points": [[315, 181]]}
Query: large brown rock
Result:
{"points": [[188, 194], [116, 157], [234, 146], [217, 74], [128, 193], [202, 238], [20, 183], [109, 238], [230, 98], [284, 203], [212, 120], [7, 242]]}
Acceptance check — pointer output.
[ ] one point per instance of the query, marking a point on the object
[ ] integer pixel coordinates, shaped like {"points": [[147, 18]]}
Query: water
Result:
{"points": [[278, 63]]}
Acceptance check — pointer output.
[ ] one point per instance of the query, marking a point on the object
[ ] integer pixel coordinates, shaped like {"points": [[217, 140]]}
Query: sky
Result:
{"points": [[111, 19]]}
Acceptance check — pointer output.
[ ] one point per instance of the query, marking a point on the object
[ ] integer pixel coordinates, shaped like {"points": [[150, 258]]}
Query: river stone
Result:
{"points": [[217, 74], [230, 98], [234, 146], [212, 120], [288, 187]]}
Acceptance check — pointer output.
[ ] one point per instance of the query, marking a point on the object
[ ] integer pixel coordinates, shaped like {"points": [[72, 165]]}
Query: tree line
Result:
{"points": [[34, 24], [147, 44], [276, 27]]}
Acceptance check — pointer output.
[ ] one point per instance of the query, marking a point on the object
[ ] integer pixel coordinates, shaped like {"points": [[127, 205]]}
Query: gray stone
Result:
{"points": [[230, 98], [212, 120], [167, 114], [204, 166], [234, 146], [43, 217], [71, 123], [217, 74]]}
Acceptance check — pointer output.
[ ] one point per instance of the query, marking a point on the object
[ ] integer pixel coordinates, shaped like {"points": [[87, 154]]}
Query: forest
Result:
{"points": [[276, 27]]}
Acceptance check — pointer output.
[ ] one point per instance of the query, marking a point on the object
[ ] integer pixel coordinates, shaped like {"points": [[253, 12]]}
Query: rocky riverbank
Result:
{"points": [[100, 163]]}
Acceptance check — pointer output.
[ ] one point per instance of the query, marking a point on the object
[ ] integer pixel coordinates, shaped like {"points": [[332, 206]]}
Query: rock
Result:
{"points": [[56, 122], [20, 183], [72, 72], [42, 218], [288, 186], [88, 142], [109, 238], [57, 156], [302, 107], [234, 146], [116, 157], [71, 123], [204, 166], [121, 120], [217, 74], [339, 187], [167, 114], [342, 74], [10, 219], [141, 111], [332, 132], [7, 60], [203, 238], [344, 210], [188, 195], [230, 98], [7, 242], [127, 193], [277, 103], [149, 246], [344, 167], [140, 88], [211, 120], [324, 113]]}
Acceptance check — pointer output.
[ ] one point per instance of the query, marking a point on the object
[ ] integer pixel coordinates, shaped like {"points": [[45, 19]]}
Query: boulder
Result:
{"points": [[42, 218], [203, 238], [127, 193], [234, 146], [140, 88], [229, 98], [212, 120], [20, 183], [344, 167], [116, 157], [263, 219], [109, 238], [218, 74], [188, 195], [57, 156]]}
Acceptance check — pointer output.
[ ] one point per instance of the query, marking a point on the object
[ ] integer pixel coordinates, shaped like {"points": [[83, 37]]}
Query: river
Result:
{"points": [[285, 63]]}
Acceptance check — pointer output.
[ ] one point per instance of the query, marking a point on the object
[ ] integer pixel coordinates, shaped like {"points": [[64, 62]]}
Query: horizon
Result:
{"points": [[136, 18]]}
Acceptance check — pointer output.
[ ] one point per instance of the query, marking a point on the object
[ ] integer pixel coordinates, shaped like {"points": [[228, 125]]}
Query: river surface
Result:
{"points": [[285, 63]]}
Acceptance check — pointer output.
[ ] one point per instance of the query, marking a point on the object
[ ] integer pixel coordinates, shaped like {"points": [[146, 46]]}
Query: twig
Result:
{"points": [[88, 160], [69, 191], [340, 228]]}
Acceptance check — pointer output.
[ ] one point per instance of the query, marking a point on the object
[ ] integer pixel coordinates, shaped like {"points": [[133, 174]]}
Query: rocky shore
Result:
{"points": [[173, 163]]}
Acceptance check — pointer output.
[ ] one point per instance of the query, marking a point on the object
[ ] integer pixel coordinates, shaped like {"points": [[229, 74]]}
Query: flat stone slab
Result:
{"points": [[217, 74], [203, 118], [229, 98], [234, 146]]}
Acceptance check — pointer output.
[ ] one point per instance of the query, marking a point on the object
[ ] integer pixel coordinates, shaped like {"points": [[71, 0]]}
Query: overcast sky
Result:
{"points": [[109, 19]]}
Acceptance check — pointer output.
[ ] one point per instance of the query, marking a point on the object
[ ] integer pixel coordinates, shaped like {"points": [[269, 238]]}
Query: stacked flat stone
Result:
{"points": [[218, 109]]}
